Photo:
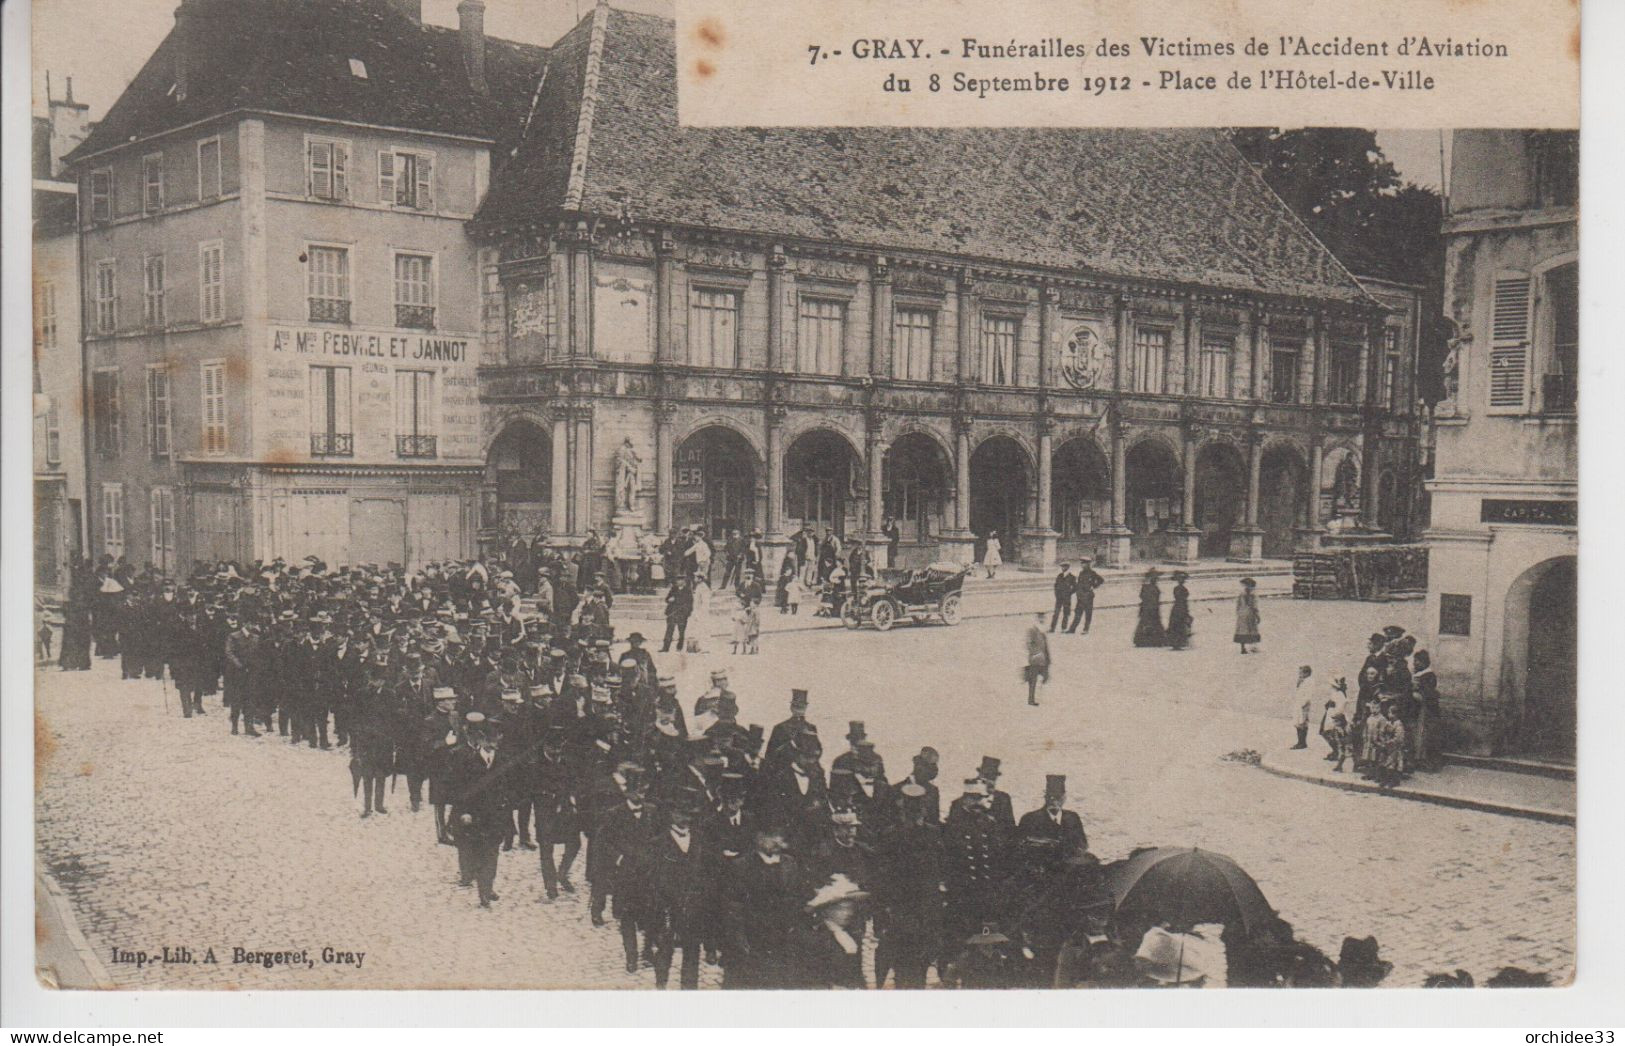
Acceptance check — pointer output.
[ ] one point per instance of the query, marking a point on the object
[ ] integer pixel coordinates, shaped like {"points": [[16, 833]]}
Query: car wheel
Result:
{"points": [[884, 613], [950, 609], [851, 617]]}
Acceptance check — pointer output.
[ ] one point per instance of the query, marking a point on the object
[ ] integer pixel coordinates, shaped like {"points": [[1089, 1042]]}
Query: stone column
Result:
{"points": [[959, 544], [1049, 305], [664, 464], [583, 473], [880, 319], [875, 460], [1247, 541], [1188, 538], [776, 264], [1040, 538], [1125, 338], [774, 540], [1119, 537], [1260, 339], [665, 266], [1309, 533], [965, 313], [558, 521], [1370, 474]]}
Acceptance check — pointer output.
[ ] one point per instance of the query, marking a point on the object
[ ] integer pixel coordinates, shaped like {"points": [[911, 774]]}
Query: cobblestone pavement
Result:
{"points": [[170, 832]]}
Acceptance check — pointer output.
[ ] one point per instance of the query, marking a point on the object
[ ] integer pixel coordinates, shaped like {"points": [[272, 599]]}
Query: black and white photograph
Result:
{"points": [[488, 534]]}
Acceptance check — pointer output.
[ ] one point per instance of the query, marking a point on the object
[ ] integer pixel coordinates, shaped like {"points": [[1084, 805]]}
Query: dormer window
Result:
{"points": [[358, 69]]}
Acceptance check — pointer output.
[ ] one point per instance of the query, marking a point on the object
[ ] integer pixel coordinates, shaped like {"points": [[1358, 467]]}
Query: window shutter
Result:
{"points": [[316, 163], [1509, 344], [386, 176], [425, 182], [341, 156]]}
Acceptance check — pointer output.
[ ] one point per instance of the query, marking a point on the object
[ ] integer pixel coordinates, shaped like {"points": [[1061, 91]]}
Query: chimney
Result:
{"points": [[471, 25], [184, 30], [412, 9], [69, 123]]}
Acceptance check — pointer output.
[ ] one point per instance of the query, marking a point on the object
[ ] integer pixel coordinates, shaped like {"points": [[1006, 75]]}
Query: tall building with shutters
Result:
{"points": [[1501, 611], [283, 307]]}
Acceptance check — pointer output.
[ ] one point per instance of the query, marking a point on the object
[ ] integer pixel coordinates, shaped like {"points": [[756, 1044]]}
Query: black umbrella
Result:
{"points": [[1185, 887]]}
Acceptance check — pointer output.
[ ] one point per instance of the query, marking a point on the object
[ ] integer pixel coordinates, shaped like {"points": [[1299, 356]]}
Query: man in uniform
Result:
{"points": [[1087, 582], [1066, 586], [974, 842]]}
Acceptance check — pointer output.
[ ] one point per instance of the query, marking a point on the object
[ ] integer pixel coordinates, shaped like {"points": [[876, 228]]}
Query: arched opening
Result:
{"points": [[1080, 498], [821, 471], [1221, 497], [1538, 661], [1282, 482], [999, 487], [520, 466], [714, 482], [918, 479], [1156, 503], [1340, 484]]}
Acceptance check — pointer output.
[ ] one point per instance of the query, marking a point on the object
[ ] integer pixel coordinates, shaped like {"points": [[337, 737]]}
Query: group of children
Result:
{"points": [[1392, 728]]}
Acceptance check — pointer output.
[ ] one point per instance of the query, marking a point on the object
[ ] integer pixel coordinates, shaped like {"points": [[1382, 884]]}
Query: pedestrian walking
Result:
{"points": [[1084, 587], [1036, 668], [1247, 615], [1180, 621], [1148, 631], [993, 554], [1066, 586]]}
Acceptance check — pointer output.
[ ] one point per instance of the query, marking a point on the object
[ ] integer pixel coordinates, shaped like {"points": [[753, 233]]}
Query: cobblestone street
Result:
{"points": [[170, 832]]}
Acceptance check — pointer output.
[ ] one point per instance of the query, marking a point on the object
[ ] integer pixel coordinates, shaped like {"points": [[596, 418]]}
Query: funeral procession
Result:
{"points": [[490, 535]]}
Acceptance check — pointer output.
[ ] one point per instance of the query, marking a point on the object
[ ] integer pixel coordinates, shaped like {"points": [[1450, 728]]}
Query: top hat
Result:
{"points": [[798, 699], [1054, 786], [928, 755], [989, 768], [855, 731]]}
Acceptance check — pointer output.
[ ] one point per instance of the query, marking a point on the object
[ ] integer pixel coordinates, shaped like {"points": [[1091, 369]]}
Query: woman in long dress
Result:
{"points": [[1247, 615], [1149, 631], [993, 558], [1427, 743], [1180, 621]]}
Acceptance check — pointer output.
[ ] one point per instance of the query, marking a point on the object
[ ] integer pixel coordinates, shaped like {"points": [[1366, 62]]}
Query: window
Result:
{"points": [[327, 169], [152, 296], [713, 328], [330, 434], [214, 408], [1455, 615], [1390, 390], [152, 183], [405, 179], [913, 339], [113, 519], [162, 519], [358, 69], [1345, 374], [45, 315], [106, 296], [999, 335], [1150, 358], [53, 433], [1560, 384], [101, 195], [1509, 344], [158, 412], [1555, 157], [105, 413], [1214, 365], [1284, 355], [327, 281], [211, 278], [414, 414], [208, 169], [822, 336], [414, 291]]}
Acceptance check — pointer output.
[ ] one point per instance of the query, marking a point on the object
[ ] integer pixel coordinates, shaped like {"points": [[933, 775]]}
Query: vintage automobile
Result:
{"points": [[916, 595]]}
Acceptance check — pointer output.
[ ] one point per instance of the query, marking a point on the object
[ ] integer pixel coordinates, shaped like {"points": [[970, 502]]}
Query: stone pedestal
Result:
{"points": [[1185, 544], [957, 546], [1119, 545], [1247, 544], [774, 546], [1307, 539], [1038, 547]]}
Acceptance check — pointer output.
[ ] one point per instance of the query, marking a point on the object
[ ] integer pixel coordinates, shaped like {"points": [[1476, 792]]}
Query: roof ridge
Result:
{"points": [[576, 188]]}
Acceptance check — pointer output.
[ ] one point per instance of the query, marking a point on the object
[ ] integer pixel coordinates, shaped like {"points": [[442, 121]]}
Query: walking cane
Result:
{"points": [[163, 679]]}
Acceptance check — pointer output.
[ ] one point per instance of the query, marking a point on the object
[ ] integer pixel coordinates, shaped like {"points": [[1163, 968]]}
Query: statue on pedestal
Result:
{"points": [[628, 477]]}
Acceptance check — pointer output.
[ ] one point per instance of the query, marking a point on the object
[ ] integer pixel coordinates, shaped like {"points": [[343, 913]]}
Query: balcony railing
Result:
{"points": [[415, 446], [332, 444], [1559, 393], [415, 317], [329, 310]]}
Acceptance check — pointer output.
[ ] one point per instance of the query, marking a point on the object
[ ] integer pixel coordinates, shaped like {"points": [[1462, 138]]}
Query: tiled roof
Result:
{"points": [[1175, 205], [293, 56]]}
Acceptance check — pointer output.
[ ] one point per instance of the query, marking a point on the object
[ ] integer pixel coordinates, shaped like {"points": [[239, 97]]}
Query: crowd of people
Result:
{"points": [[1389, 728]]}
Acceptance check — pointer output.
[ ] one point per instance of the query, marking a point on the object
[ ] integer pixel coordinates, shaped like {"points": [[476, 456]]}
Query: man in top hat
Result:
{"points": [[856, 734], [909, 917], [786, 731], [998, 801], [793, 790], [680, 890], [372, 737], [1053, 822], [615, 867], [479, 805], [924, 773], [763, 903], [1084, 595]]}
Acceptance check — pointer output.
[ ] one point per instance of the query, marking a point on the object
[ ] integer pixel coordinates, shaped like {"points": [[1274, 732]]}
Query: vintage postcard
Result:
{"points": [[719, 495]]}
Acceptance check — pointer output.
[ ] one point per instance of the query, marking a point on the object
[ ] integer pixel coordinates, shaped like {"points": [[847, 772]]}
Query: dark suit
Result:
{"points": [[679, 899], [1068, 834], [764, 904], [932, 800], [1066, 585], [1087, 582], [910, 905], [480, 793]]}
